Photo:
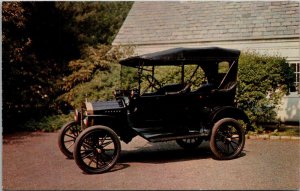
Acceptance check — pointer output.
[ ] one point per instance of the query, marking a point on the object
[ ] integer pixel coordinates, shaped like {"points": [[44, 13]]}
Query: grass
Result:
{"points": [[289, 132], [273, 131]]}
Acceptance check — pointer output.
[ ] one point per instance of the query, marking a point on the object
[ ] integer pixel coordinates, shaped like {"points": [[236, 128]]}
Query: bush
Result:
{"points": [[263, 81], [48, 123]]}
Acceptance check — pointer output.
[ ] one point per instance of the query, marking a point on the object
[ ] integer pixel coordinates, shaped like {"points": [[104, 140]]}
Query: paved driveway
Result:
{"points": [[33, 161]]}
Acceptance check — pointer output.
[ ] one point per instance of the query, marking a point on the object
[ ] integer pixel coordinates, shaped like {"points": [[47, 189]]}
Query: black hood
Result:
{"points": [[92, 107]]}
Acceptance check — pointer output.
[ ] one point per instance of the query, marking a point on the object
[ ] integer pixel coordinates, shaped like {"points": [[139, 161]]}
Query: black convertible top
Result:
{"points": [[179, 56]]}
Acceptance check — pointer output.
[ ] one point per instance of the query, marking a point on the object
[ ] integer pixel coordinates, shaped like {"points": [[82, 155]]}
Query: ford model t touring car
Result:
{"points": [[181, 94]]}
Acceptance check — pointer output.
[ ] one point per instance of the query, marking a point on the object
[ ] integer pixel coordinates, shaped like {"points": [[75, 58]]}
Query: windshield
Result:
{"points": [[149, 79], [129, 78]]}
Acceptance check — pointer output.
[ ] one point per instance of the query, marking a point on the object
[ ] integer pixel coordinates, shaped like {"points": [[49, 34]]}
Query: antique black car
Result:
{"points": [[181, 94]]}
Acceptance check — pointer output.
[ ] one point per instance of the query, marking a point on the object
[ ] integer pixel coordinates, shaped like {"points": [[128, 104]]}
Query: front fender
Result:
{"points": [[116, 123], [106, 120]]}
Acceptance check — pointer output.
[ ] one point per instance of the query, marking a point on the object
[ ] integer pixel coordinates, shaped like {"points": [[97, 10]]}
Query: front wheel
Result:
{"points": [[66, 138], [97, 149], [227, 139]]}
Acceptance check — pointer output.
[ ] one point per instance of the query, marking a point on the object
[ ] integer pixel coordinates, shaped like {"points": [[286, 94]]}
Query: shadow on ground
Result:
{"points": [[20, 137], [153, 155]]}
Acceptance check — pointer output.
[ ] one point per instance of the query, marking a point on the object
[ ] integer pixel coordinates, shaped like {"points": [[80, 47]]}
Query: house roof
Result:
{"points": [[197, 21]]}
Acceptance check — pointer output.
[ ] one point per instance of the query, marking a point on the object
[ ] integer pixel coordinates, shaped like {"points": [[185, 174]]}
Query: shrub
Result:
{"points": [[48, 123], [263, 81]]}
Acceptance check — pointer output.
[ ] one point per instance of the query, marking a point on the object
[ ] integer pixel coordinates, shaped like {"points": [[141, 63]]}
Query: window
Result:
{"points": [[296, 68], [223, 67]]}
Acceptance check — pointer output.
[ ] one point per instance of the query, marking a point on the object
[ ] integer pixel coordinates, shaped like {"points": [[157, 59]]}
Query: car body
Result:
{"points": [[198, 106]]}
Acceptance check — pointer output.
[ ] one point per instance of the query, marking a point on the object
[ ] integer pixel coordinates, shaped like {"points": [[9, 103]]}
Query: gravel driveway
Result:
{"points": [[32, 161]]}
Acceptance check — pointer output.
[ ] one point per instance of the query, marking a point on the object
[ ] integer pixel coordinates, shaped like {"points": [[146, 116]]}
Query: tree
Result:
{"points": [[95, 76], [94, 23], [39, 39], [16, 44]]}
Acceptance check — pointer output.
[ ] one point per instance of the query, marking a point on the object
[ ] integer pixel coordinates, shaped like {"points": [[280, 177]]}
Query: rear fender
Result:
{"points": [[229, 112]]}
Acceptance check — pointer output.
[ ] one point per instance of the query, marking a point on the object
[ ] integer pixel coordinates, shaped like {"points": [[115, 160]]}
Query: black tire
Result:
{"points": [[97, 149], [66, 138], [189, 143], [227, 139]]}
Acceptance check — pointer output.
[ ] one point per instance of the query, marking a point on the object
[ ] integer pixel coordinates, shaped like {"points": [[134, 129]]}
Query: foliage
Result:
{"points": [[164, 75], [95, 76], [289, 132], [48, 123], [263, 80], [94, 22], [52, 57], [39, 39], [14, 20]]}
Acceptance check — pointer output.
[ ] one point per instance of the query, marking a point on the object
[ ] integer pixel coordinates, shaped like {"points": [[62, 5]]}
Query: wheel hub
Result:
{"points": [[228, 139], [98, 150]]}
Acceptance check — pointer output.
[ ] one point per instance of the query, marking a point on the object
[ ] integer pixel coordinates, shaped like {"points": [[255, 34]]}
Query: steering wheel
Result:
{"points": [[153, 82]]}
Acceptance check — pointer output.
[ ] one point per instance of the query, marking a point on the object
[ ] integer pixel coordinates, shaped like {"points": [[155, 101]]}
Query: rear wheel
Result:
{"points": [[228, 139], [189, 143], [66, 138], [97, 149]]}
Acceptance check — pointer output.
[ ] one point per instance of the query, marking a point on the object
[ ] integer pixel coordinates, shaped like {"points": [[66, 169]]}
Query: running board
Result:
{"points": [[153, 140]]}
